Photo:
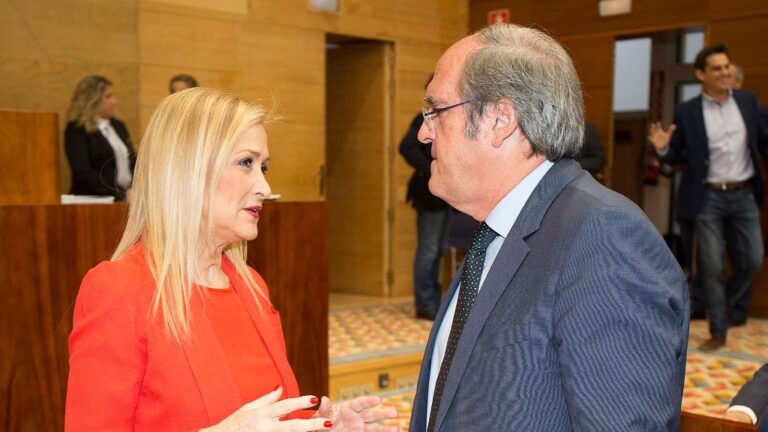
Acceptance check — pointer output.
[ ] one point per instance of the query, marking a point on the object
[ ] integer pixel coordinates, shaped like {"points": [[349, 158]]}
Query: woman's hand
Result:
{"points": [[263, 415], [357, 415]]}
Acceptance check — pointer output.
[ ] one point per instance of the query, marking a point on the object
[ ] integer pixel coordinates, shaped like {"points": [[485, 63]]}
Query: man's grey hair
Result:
{"points": [[536, 74], [738, 72]]}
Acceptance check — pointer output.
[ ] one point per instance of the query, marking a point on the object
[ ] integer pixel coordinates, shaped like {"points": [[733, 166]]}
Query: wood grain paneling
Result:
{"points": [[357, 169], [700, 423], [747, 41], [580, 17], [48, 250], [30, 158], [291, 253]]}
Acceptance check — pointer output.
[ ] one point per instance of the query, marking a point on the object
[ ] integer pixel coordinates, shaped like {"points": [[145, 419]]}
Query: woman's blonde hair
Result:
{"points": [[86, 101], [188, 141]]}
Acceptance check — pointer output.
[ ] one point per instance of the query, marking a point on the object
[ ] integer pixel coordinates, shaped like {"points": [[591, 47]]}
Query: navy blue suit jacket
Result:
{"points": [[581, 322], [689, 146]]}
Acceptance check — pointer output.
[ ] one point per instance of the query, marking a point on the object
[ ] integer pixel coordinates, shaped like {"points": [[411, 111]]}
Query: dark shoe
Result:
{"points": [[713, 344], [737, 322], [428, 314]]}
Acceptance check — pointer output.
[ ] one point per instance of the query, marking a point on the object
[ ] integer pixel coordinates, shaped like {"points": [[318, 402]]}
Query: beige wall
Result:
{"points": [[274, 51], [267, 50]]}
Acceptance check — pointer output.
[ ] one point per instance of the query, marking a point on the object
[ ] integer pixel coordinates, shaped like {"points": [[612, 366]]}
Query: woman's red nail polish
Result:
{"points": [[328, 424], [313, 400]]}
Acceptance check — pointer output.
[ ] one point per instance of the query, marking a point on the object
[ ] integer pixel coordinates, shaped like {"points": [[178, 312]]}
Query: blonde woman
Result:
{"points": [[176, 332], [99, 150]]}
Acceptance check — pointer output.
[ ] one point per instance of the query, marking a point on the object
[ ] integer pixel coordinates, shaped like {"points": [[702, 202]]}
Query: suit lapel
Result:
{"points": [[745, 111], [500, 276], [699, 127]]}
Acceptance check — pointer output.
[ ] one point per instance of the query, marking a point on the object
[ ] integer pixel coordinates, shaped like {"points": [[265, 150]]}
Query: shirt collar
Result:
{"points": [[102, 122], [710, 100], [504, 215]]}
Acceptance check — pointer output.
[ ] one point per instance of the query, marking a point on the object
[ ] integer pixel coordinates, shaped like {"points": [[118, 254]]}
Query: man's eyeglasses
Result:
{"points": [[431, 114]]}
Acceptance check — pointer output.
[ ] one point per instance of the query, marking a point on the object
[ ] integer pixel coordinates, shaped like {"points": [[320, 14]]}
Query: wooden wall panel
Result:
{"points": [[593, 58], [580, 17], [47, 251], [30, 158], [698, 423], [292, 257], [747, 41], [356, 166]]}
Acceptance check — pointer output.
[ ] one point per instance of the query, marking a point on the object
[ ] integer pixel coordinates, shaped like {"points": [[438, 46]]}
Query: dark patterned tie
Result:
{"points": [[470, 283]]}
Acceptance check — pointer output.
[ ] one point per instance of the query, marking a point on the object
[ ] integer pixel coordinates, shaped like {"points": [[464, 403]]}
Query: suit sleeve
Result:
{"points": [[413, 150], [107, 356], [84, 176], [621, 327], [764, 128], [754, 394], [762, 131]]}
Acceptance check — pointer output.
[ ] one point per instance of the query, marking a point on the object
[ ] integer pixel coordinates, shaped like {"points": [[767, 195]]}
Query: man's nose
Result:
{"points": [[425, 134]]}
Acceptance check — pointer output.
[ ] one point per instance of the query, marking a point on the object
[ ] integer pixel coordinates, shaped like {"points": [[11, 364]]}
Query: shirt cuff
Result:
{"points": [[661, 154], [744, 409]]}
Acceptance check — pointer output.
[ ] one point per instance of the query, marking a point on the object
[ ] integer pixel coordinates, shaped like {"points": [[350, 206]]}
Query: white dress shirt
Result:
{"points": [[500, 219], [729, 158], [123, 176]]}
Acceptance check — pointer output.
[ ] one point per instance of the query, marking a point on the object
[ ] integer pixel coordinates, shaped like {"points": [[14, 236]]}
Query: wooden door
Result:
{"points": [[358, 165]]}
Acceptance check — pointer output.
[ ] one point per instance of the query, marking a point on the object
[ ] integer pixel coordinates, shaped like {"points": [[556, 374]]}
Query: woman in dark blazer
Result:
{"points": [[99, 150]]}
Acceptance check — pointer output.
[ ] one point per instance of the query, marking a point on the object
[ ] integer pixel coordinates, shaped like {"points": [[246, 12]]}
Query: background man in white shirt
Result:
{"points": [[716, 137]]}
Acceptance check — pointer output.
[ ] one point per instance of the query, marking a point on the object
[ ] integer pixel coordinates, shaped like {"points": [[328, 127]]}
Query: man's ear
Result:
{"points": [[699, 74], [504, 118]]}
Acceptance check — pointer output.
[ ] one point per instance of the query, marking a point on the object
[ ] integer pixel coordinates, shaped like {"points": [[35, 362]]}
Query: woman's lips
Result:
{"points": [[253, 211]]}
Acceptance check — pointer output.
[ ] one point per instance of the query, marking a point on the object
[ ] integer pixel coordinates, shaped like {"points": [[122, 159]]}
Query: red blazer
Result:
{"points": [[127, 375]]}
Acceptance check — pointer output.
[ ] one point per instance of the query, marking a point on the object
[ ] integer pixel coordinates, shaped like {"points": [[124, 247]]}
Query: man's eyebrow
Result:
{"points": [[431, 101]]}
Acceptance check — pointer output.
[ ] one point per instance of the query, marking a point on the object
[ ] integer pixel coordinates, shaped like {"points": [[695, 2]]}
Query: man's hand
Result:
{"points": [[659, 137], [738, 416]]}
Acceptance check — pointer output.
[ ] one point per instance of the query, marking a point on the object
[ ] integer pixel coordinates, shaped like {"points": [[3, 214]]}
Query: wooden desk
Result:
{"points": [[700, 423], [48, 249], [29, 153]]}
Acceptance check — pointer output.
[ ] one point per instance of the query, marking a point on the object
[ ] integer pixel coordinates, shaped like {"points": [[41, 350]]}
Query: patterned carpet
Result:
{"points": [[360, 333], [711, 381]]}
